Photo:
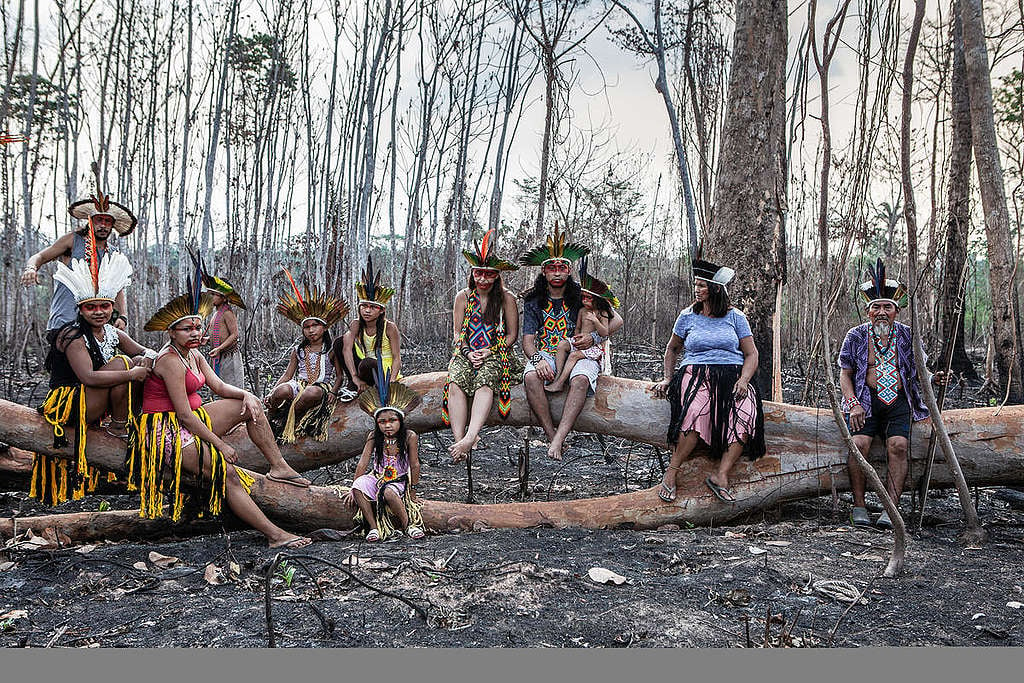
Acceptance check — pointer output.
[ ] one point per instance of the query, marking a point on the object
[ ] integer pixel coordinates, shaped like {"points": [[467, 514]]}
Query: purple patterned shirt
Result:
{"points": [[854, 356]]}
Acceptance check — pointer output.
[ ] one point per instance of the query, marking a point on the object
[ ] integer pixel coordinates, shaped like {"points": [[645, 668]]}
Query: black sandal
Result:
{"points": [[722, 493]]}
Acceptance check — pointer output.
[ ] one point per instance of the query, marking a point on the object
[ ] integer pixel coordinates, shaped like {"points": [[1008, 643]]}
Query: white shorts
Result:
{"points": [[585, 367]]}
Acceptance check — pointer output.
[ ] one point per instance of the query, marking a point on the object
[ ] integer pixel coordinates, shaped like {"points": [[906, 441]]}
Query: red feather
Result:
{"points": [[297, 295], [92, 257], [484, 245]]}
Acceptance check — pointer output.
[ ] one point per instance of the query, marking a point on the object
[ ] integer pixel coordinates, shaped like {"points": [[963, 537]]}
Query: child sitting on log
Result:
{"points": [[389, 467], [302, 401], [595, 316]]}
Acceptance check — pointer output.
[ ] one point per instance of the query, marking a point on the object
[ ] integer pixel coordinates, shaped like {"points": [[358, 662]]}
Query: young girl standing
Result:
{"points": [[310, 382], [389, 467]]}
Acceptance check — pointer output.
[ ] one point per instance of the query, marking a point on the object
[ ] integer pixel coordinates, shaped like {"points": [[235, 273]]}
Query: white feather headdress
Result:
{"points": [[87, 282]]}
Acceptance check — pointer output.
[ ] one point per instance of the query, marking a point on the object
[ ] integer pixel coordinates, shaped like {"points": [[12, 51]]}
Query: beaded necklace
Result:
{"points": [[886, 374]]}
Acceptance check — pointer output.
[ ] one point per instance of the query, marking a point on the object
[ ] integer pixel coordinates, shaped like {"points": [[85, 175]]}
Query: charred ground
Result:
{"points": [[777, 580]]}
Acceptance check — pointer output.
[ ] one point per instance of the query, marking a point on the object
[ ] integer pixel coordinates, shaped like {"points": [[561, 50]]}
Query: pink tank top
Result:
{"points": [[155, 398]]}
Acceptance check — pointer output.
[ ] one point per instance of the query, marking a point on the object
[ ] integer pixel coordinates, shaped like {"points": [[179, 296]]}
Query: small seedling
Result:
{"points": [[104, 506], [286, 572]]}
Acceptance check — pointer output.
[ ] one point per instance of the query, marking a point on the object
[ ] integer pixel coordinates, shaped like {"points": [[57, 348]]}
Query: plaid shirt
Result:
{"points": [[854, 356]]}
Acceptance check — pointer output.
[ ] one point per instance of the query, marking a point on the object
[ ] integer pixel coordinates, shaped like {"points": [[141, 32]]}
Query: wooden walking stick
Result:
{"points": [[947, 364]]}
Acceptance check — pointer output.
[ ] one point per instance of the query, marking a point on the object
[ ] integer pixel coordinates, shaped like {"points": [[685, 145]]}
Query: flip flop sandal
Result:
{"points": [[720, 491], [667, 493], [123, 436], [297, 542], [415, 533], [373, 536], [291, 481]]}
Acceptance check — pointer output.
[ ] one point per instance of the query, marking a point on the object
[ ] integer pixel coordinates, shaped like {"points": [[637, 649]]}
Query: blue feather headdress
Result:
{"points": [[370, 290], [194, 304], [880, 288], [215, 284], [387, 394]]}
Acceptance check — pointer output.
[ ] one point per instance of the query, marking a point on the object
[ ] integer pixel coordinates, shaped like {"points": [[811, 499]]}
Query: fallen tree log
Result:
{"points": [[16, 461], [805, 459], [110, 525]]}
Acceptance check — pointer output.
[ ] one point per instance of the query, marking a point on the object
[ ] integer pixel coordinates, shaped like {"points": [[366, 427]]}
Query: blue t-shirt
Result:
{"points": [[712, 341]]}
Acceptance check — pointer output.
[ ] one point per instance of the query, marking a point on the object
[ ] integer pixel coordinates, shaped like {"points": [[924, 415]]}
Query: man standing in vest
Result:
{"points": [[104, 217]]}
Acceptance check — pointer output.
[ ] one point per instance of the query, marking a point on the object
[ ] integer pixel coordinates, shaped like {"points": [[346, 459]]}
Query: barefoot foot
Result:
{"points": [[555, 450], [461, 448]]}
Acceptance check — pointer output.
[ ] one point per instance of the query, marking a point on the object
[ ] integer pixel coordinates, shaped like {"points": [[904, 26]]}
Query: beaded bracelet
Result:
{"points": [[848, 404]]}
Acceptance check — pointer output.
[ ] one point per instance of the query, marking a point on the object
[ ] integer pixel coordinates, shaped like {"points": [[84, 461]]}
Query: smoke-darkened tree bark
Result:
{"points": [[747, 229], [958, 209], [1001, 259]]}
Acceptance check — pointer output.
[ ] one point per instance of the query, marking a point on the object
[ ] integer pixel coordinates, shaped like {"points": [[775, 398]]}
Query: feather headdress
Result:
{"points": [[101, 205], [484, 257], [195, 303], [387, 395], [880, 288], [555, 249], [594, 286], [217, 285], [370, 290], [313, 305], [91, 278]]}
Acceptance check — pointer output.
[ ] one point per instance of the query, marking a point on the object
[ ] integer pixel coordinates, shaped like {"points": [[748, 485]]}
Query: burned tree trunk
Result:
{"points": [[1005, 307], [747, 228], [958, 211]]}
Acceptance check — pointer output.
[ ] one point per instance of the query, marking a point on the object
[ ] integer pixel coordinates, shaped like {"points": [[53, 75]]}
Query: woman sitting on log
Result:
{"points": [[357, 349], [177, 432], [711, 395], [486, 323], [302, 401], [389, 468], [91, 375]]}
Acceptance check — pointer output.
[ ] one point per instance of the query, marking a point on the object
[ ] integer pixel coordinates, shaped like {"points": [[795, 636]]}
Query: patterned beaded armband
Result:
{"points": [[848, 404]]}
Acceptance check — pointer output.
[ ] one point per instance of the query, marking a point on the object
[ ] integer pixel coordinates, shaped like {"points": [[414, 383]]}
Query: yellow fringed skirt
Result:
{"points": [[57, 480], [154, 466]]}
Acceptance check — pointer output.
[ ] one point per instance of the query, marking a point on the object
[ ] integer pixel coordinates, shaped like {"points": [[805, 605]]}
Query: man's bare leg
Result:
{"points": [[577, 396], [858, 482], [538, 400], [896, 455]]}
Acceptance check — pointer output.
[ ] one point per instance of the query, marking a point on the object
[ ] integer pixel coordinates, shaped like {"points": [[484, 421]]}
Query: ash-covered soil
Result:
{"points": [[785, 579]]}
